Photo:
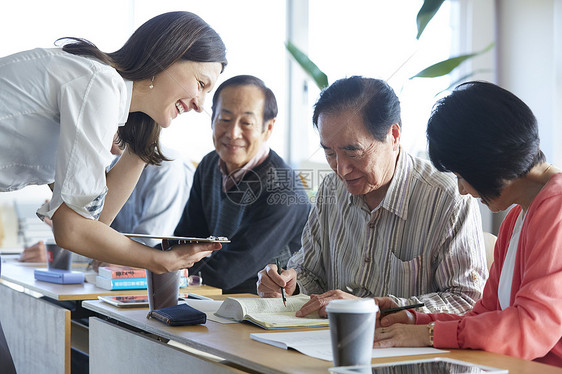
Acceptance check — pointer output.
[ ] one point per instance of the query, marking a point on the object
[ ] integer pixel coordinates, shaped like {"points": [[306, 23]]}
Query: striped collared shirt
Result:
{"points": [[423, 243]]}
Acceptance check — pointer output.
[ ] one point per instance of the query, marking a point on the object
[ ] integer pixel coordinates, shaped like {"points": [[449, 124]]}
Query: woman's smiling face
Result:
{"points": [[180, 88]]}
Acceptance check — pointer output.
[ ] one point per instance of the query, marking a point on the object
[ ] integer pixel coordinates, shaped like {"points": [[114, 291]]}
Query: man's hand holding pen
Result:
{"points": [[270, 281], [279, 271]]}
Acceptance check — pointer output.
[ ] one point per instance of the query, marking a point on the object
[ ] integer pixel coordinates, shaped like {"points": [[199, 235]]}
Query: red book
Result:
{"points": [[118, 272], [184, 273]]}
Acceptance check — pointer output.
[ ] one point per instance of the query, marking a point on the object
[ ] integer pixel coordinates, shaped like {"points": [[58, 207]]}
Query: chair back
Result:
{"points": [[489, 244]]}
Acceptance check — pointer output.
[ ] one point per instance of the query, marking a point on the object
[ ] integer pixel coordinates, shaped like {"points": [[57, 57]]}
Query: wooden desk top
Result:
{"points": [[232, 342], [22, 274]]}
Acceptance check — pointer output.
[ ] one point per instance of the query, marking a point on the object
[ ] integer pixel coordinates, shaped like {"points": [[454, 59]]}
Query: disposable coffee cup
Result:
{"points": [[163, 289], [352, 330], [57, 257]]}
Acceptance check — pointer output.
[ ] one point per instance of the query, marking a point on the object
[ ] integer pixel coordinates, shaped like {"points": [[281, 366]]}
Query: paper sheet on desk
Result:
{"points": [[317, 344], [209, 307]]}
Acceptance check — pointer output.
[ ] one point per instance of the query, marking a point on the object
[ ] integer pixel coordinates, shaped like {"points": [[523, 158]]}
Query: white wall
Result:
{"points": [[526, 60], [529, 62]]}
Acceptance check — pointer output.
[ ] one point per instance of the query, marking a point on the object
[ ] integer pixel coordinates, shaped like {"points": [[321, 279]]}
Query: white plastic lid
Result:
{"points": [[352, 306]]}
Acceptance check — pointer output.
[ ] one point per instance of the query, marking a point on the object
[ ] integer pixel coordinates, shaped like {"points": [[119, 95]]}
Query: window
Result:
{"points": [[377, 39], [357, 37], [253, 32]]}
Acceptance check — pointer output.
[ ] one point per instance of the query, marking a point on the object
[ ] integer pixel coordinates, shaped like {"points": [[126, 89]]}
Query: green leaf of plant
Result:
{"points": [[445, 67], [309, 67], [426, 13]]}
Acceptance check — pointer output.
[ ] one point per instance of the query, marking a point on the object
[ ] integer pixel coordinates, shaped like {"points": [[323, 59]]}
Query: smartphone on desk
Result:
{"points": [[126, 301], [194, 296], [141, 301]]}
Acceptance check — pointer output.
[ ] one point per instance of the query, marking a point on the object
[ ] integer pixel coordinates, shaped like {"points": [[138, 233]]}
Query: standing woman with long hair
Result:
{"points": [[60, 109]]}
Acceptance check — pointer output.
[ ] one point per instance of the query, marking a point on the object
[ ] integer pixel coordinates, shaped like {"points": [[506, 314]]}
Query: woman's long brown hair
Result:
{"points": [[152, 48]]}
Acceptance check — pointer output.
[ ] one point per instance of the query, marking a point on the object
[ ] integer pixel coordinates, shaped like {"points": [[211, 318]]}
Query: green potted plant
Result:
{"points": [[424, 16]]}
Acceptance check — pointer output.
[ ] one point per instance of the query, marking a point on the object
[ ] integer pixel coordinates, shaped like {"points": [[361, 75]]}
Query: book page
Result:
{"points": [[272, 305], [231, 308], [318, 344], [209, 307], [315, 344], [285, 320], [238, 308]]}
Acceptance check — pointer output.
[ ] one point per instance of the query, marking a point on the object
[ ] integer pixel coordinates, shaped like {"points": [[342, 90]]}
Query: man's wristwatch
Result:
{"points": [[430, 328]]}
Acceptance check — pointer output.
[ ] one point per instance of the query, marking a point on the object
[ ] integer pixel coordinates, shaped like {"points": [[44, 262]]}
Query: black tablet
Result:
{"points": [[437, 365], [210, 239]]}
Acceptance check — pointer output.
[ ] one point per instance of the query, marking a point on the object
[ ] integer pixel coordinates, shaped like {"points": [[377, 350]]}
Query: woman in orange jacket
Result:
{"points": [[489, 139]]}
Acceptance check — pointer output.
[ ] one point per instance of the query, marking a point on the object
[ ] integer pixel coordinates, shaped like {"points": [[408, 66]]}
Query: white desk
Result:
{"points": [[22, 275], [113, 346], [39, 333]]}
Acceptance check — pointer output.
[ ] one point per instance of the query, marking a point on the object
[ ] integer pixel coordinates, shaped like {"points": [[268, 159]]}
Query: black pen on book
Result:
{"points": [[394, 310], [282, 288]]}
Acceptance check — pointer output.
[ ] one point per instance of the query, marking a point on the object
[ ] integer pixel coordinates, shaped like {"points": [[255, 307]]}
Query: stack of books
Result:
{"points": [[118, 277]]}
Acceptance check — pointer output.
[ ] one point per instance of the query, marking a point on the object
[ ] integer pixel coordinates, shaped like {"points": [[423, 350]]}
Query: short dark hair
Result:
{"points": [[485, 134], [373, 98], [270, 103], [153, 47]]}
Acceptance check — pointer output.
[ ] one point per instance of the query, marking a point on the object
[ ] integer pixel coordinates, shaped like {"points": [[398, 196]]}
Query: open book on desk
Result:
{"points": [[318, 344], [269, 313]]}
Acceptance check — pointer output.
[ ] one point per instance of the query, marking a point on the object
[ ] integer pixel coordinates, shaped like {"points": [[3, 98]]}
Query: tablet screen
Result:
{"points": [[434, 366]]}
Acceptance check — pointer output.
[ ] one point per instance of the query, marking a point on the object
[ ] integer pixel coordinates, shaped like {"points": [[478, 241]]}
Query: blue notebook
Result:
{"points": [[59, 276]]}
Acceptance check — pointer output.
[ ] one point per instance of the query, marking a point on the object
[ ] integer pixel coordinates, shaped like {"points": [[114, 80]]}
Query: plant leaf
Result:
{"points": [[319, 77], [445, 67], [426, 13]]}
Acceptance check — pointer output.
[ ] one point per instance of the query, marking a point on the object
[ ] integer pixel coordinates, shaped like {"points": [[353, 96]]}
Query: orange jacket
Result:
{"points": [[531, 327]]}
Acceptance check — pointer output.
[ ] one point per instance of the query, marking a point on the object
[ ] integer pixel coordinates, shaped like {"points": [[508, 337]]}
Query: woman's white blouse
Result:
{"points": [[506, 276], [58, 115]]}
